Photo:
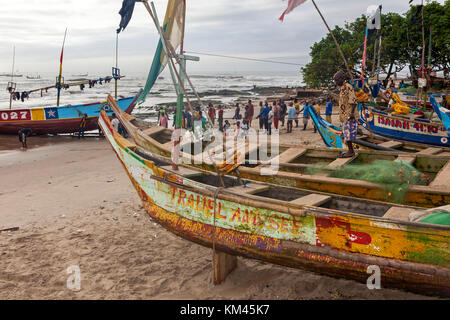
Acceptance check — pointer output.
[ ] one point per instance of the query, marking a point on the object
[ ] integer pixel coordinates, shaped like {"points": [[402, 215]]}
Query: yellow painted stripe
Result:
{"points": [[37, 114]]}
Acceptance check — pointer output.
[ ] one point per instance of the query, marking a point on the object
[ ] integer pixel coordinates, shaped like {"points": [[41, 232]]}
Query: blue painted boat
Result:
{"points": [[443, 113], [331, 135], [63, 119], [406, 127]]}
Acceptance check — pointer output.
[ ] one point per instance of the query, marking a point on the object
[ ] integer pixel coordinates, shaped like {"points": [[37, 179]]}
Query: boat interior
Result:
{"points": [[294, 197]]}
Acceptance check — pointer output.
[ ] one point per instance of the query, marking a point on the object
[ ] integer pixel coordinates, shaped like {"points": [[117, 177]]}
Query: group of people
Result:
{"points": [[279, 112]]}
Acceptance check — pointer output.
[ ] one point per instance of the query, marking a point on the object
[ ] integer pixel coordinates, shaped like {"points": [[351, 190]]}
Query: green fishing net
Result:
{"points": [[441, 217], [394, 176]]}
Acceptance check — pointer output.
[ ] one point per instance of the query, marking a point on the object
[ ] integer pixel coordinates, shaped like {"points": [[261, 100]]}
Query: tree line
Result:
{"points": [[401, 48]]}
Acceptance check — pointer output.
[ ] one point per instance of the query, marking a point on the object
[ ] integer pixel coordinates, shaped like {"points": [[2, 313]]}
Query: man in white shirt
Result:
{"points": [[115, 122]]}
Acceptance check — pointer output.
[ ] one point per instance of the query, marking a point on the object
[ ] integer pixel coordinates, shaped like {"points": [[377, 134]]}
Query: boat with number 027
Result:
{"points": [[252, 222], [62, 119]]}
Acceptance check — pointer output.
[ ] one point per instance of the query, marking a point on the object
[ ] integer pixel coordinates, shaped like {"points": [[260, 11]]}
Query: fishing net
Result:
{"points": [[394, 176]]}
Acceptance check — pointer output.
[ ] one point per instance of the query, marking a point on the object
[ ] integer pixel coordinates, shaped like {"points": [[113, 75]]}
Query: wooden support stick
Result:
{"points": [[224, 264], [9, 229], [335, 41]]}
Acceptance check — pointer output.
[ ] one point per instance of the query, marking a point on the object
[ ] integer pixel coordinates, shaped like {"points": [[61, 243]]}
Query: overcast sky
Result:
{"points": [[247, 28]]}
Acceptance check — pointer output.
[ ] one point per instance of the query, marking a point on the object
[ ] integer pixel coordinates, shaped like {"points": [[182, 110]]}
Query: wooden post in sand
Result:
{"points": [[224, 264]]}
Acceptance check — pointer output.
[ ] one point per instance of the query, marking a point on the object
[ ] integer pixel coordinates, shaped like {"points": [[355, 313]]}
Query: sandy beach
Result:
{"points": [[75, 206]]}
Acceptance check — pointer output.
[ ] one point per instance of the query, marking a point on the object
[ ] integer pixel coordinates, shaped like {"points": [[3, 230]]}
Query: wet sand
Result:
{"points": [[74, 205]]}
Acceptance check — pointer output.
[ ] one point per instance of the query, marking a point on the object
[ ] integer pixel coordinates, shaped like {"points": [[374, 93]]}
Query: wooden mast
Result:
{"points": [[335, 41], [12, 79], [60, 70]]}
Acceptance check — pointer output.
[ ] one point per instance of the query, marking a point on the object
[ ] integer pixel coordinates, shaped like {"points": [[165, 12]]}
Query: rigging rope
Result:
{"points": [[243, 58]]}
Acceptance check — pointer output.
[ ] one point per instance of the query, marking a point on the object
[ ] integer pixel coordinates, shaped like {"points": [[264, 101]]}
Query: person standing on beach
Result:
{"points": [[23, 134], [276, 114], [82, 126], [251, 113], [261, 119], [263, 115], [212, 113], [270, 117], [164, 120], [329, 110], [220, 118], [292, 114], [115, 122], [305, 115], [317, 108], [237, 112], [297, 107], [347, 115], [283, 112]]}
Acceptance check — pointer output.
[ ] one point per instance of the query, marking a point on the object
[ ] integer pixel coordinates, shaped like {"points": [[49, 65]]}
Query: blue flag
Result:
{"points": [[126, 12]]}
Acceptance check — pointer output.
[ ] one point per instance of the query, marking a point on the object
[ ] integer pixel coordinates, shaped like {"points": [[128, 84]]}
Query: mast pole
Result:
{"points": [[335, 41], [12, 77], [117, 63], [60, 69], [179, 111]]}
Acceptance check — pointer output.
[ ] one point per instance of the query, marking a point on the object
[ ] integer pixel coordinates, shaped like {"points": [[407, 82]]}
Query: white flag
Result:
{"points": [[374, 17]]}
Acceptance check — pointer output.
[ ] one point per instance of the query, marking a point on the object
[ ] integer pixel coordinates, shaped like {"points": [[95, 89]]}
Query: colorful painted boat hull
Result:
{"points": [[411, 256], [63, 119], [331, 135], [404, 128]]}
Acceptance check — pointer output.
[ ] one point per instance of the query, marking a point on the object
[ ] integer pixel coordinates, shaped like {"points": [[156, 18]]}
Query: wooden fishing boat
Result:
{"points": [[404, 127], [286, 226], [62, 119], [331, 136], [292, 162]]}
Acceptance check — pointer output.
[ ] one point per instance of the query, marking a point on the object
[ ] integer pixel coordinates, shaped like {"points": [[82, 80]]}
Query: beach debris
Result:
{"points": [[80, 230], [156, 236], [62, 216], [136, 214], [9, 229], [110, 180], [115, 218], [34, 249]]}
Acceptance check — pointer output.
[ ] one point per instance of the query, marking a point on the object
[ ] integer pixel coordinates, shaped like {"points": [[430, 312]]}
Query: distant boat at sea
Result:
{"points": [[80, 75], [34, 77], [10, 75]]}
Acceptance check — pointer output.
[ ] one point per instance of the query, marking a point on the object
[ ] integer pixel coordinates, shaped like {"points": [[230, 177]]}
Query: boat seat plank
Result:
{"points": [[182, 171], [398, 213], [313, 199], [250, 188], [391, 144], [430, 151], [290, 155], [339, 162], [153, 130], [124, 142], [406, 158], [442, 179]]}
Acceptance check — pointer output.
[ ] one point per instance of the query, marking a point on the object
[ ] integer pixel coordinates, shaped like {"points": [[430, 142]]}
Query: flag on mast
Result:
{"points": [[292, 4], [173, 27]]}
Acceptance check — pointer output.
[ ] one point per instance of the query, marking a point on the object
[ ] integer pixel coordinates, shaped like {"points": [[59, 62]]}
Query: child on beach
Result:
{"points": [[226, 128], [244, 129]]}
